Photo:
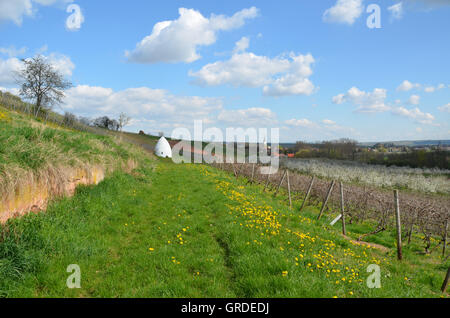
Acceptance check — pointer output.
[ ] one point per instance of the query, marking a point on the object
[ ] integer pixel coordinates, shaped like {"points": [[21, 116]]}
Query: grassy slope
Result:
{"points": [[29, 146], [193, 231]]}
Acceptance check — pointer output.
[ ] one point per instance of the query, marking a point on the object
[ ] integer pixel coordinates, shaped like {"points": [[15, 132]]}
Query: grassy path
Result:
{"points": [[191, 231]]}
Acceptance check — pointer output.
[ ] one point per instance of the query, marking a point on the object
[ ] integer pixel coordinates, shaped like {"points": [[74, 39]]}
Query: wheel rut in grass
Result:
{"points": [[227, 261]]}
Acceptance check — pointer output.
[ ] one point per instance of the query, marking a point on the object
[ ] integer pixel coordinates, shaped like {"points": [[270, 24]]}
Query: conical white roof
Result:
{"points": [[163, 149]]}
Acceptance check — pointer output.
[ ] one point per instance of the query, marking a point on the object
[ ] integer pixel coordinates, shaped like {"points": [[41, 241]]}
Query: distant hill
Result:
{"points": [[409, 143]]}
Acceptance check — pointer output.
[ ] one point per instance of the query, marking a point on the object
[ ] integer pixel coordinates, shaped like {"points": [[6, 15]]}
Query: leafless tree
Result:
{"points": [[124, 120], [41, 83]]}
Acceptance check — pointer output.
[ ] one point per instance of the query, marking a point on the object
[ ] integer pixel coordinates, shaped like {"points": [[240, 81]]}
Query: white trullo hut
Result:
{"points": [[163, 149]]}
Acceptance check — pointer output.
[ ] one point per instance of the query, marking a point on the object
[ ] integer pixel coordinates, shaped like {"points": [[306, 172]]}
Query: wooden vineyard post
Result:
{"points": [[289, 189], [268, 179], [326, 199], [399, 226], [281, 182], [343, 209], [307, 194], [253, 173], [445, 238], [444, 285], [410, 232], [238, 170]]}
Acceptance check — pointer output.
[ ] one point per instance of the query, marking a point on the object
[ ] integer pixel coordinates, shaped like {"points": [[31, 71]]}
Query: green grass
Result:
{"points": [[125, 236], [27, 145]]}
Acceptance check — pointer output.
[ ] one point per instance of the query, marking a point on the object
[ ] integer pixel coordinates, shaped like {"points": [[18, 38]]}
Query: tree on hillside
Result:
{"points": [[106, 123], [41, 82], [124, 120]]}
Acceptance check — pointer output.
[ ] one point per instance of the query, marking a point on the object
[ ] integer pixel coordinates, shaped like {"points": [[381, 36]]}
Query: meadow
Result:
{"points": [[169, 230]]}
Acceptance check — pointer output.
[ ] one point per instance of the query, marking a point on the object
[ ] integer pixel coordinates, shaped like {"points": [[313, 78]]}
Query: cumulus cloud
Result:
{"points": [[8, 68], [328, 122], [300, 123], [432, 89], [344, 11], [445, 108], [414, 100], [396, 11], [76, 19], [16, 10], [415, 113], [278, 76], [241, 45], [251, 117], [145, 103], [178, 40], [407, 86], [366, 102], [315, 130], [61, 63], [12, 51], [375, 102]]}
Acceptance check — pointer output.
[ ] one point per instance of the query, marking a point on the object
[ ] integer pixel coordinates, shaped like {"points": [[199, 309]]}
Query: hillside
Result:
{"points": [[40, 161], [163, 230]]}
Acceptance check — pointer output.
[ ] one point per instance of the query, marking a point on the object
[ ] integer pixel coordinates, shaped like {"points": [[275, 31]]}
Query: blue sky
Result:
{"points": [[312, 68]]}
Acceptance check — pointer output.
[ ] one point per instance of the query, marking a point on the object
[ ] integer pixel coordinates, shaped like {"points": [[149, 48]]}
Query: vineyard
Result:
{"points": [[415, 179], [423, 216]]}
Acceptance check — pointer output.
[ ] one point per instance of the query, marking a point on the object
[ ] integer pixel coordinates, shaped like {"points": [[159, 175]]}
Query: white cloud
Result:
{"points": [[414, 100], [407, 86], [367, 102], [306, 123], [344, 11], [251, 117], [375, 102], [7, 69], [432, 89], [61, 63], [339, 99], [76, 19], [241, 45], [415, 113], [328, 122], [177, 40], [144, 103], [396, 10], [325, 129], [12, 51], [278, 76], [13, 90], [16, 10], [445, 108]]}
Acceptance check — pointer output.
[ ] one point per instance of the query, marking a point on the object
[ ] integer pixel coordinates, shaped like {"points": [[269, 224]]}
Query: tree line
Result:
{"points": [[348, 149]]}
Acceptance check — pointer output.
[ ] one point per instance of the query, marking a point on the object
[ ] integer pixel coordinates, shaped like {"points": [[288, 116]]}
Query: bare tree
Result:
{"points": [[124, 120], [41, 82]]}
